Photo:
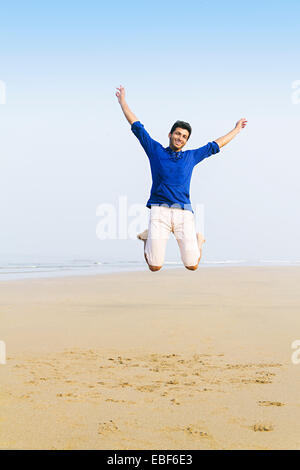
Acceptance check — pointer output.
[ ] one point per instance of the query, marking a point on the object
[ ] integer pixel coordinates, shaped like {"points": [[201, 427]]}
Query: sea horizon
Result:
{"points": [[36, 267]]}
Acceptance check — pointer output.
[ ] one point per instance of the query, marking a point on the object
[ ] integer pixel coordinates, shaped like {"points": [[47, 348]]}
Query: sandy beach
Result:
{"points": [[169, 360]]}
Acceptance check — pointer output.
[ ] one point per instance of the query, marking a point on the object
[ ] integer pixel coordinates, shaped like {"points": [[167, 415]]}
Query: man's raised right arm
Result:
{"points": [[136, 126], [120, 94]]}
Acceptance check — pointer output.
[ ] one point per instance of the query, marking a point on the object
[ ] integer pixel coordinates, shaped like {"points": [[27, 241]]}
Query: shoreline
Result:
{"points": [[135, 269]]}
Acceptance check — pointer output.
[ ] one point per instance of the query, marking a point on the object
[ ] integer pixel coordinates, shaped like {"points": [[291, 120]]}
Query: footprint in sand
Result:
{"points": [[175, 402], [147, 388], [271, 403], [261, 378], [25, 396], [172, 382], [194, 431], [63, 395], [124, 384], [120, 401], [259, 427], [107, 427]]}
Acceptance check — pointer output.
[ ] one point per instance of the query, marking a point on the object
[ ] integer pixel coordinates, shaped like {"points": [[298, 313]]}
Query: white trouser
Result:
{"points": [[164, 220]]}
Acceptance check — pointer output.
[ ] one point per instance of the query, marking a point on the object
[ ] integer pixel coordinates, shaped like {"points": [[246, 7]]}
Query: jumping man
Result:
{"points": [[169, 202]]}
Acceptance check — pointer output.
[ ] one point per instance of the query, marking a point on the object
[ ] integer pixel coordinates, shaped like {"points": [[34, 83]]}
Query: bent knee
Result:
{"points": [[192, 268], [154, 268]]}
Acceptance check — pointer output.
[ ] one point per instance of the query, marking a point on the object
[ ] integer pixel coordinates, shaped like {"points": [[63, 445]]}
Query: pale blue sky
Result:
{"points": [[66, 147]]}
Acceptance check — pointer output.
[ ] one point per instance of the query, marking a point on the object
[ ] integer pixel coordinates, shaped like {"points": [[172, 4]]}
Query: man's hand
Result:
{"points": [[241, 124], [120, 94], [221, 141]]}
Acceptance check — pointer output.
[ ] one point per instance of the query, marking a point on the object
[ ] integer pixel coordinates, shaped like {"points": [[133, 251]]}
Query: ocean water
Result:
{"points": [[26, 269], [60, 268]]}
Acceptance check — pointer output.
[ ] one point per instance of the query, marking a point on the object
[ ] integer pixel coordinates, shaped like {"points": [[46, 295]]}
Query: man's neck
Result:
{"points": [[174, 150]]}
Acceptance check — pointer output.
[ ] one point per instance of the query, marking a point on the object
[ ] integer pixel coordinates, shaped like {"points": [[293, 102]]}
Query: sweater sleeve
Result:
{"points": [[206, 151]]}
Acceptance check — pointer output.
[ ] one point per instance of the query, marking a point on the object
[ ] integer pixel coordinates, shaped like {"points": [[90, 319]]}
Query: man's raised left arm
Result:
{"points": [[221, 141]]}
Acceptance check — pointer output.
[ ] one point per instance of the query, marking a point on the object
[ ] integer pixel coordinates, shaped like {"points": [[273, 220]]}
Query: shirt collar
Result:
{"points": [[173, 153]]}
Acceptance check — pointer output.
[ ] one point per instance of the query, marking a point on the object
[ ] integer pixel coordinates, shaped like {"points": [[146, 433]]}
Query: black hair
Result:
{"points": [[182, 125]]}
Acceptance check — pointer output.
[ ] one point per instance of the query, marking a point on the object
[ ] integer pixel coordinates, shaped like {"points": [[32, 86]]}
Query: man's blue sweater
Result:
{"points": [[171, 171]]}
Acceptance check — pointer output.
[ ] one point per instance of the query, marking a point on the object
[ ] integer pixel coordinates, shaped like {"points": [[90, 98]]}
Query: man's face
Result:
{"points": [[178, 138]]}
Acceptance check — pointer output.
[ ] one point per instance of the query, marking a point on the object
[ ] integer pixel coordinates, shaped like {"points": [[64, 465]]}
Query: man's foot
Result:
{"points": [[143, 236], [201, 240]]}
